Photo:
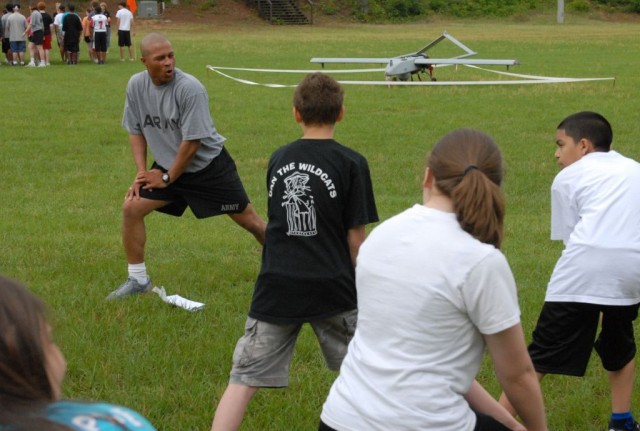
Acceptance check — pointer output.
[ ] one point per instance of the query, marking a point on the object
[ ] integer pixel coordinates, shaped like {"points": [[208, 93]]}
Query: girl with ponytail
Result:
{"points": [[434, 291], [467, 168]]}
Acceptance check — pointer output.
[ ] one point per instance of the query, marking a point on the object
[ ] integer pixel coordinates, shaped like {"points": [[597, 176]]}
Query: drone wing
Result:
{"points": [[347, 60], [471, 61], [421, 56]]}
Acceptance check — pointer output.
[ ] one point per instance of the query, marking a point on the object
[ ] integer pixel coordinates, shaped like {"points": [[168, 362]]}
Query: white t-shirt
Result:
{"points": [[57, 21], [99, 23], [595, 211], [125, 17], [427, 291]]}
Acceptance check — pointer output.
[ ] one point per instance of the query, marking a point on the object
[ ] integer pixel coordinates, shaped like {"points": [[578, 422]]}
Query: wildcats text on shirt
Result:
{"points": [[305, 167]]}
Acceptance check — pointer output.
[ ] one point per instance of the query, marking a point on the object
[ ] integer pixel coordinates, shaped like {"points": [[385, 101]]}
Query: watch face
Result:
{"points": [[165, 178]]}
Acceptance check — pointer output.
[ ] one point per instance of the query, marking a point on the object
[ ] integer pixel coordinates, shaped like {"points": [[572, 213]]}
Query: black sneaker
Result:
{"points": [[628, 425]]}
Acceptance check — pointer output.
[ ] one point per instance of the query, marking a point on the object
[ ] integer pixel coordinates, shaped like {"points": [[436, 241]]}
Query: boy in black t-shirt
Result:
{"points": [[320, 199]]}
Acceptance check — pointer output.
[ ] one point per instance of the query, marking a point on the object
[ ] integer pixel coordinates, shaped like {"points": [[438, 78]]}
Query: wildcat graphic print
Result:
{"points": [[292, 182], [301, 212]]}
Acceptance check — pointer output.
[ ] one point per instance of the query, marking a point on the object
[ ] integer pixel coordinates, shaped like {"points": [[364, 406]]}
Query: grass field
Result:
{"points": [[66, 165]]}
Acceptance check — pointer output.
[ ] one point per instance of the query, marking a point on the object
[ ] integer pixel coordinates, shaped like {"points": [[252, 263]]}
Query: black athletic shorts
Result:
{"points": [[124, 38], [483, 423], [565, 333], [100, 41], [37, 37], [6, 45], [71, 44], [214, 190]]}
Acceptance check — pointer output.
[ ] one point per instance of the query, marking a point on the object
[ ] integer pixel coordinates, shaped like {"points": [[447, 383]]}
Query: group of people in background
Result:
{"points": [[36, 32]]}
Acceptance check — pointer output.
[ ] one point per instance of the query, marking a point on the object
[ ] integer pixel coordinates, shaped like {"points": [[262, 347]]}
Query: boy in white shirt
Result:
{"points": [[595, 211], [99, 24], [125, 29]]}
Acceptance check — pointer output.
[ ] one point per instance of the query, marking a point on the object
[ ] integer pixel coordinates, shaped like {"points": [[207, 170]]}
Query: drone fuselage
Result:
{"points": [[402, 68]]}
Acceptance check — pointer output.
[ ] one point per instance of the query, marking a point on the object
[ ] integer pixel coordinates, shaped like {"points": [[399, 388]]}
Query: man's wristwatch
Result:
{"points": [[166, 178]]}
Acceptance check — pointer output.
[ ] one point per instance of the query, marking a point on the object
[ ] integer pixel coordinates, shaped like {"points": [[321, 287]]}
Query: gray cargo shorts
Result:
{"points": [[263, 354]]}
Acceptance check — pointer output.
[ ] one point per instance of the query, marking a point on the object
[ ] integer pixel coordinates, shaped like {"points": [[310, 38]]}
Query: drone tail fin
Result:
{"points": [[468, 51]]}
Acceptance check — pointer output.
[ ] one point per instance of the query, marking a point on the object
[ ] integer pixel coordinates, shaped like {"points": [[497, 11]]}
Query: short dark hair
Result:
{"points": [[9, 7], [72, 7], [319, 99], [98, 10], [591, 126]]}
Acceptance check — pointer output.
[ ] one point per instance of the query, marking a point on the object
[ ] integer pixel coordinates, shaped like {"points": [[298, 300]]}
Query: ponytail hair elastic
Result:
{"points": [[469, 168]]}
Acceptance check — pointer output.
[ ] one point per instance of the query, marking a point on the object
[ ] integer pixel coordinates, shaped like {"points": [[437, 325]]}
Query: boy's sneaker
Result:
{"points": [[629, 425], [129, 287]]}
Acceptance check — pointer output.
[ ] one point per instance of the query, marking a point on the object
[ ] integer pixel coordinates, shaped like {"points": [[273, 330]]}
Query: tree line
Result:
{"points": [[375, 10]]}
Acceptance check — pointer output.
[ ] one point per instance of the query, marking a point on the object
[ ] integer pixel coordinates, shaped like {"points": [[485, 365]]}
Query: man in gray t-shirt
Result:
{"points": [[16, 29], [167, 111], [36, 26]]}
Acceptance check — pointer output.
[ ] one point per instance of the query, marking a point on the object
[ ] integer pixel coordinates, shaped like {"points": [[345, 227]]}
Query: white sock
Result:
{"points": [[138, 271]]}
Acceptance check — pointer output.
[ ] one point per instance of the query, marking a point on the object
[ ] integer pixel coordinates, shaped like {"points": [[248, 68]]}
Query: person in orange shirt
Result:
{"points": [[88, 34]]}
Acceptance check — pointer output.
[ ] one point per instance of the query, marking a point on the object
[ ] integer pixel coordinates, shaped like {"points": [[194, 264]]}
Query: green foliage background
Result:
{"points": [[399, 10]]}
